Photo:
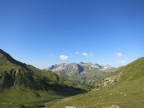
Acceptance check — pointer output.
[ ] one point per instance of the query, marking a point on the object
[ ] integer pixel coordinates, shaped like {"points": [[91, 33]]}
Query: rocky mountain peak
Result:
{"points": [[78, 67]]}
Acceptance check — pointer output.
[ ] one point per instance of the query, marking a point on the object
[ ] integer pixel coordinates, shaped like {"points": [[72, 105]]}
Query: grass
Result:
{"points": [[33, 88], [24, 86], [16, 97], [119, 95], [128, 92], [91, 77]]}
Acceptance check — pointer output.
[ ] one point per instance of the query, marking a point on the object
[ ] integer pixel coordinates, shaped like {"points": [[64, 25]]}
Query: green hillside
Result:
{"points": [[121, 89], [91, 77], [23, 85]]}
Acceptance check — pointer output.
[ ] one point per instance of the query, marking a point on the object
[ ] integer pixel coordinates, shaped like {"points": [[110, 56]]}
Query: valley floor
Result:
{"points": [[15, 98]]}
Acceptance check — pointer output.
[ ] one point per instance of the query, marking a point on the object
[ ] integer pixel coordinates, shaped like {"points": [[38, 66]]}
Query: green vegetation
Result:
{"points": [[15, 97], [121, 89], [23, 85], [91, 77]]}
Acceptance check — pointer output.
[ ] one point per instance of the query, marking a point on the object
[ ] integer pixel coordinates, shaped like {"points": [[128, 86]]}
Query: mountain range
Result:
{"points": [[82, 73], [25, 86], [79, 67]]}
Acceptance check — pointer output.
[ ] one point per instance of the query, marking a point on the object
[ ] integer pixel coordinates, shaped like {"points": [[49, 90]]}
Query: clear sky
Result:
{"points": [[46, 32]]}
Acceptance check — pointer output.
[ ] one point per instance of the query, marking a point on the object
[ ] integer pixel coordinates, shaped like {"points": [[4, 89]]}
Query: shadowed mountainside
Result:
{"points": [[20, 77]]}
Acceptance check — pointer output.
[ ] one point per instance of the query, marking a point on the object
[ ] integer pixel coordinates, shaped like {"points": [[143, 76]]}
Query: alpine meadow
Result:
{"points": [[71, 54]]}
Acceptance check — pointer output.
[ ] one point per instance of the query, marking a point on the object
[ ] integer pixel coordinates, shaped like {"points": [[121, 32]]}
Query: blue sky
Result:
{"points": [[46, 32]]}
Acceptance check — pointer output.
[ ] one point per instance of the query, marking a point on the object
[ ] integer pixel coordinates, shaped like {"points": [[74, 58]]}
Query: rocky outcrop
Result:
{"points": [[70, 107], [7, 79], [112, 106], [110, 80]]}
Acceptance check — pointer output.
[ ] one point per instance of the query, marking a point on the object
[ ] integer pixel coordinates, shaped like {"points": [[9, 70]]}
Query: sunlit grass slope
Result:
{"points": [[121, 89]]}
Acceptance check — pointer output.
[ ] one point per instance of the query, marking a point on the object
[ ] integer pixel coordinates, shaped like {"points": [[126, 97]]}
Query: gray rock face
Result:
{"points": [[82, 73], [78, 67]]}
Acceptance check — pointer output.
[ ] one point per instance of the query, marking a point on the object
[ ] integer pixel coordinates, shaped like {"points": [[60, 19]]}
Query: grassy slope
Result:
{"points": [[16, 97], [91, 77], [127, 92], [22, 84]]}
